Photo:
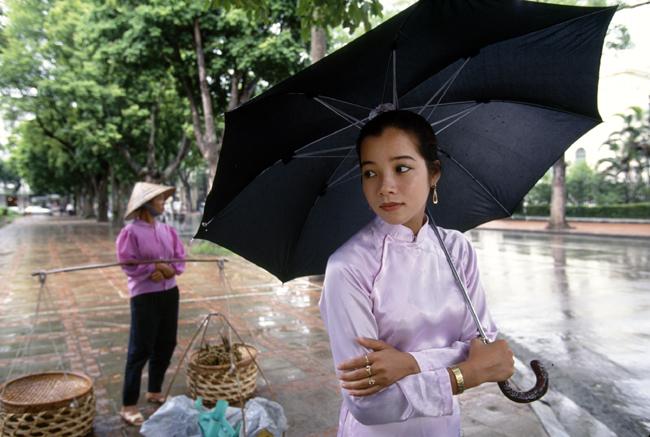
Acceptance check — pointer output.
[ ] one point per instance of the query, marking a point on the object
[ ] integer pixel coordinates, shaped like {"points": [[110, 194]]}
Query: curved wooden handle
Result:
{"points": [[535, 393]]}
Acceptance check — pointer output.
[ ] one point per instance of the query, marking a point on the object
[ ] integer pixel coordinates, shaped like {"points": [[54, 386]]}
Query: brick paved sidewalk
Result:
{"points": [[85, 328]]}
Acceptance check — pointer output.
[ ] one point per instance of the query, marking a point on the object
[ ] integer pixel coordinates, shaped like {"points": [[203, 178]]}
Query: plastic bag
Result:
{"points": [[261, 414], [178, 417], [214, 423]]}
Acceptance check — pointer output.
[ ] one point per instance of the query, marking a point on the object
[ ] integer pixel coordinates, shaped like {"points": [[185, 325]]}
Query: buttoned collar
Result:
{"points": [[401, 232]]}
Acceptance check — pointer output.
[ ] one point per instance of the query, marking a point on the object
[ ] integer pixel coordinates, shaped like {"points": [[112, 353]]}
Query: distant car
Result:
{"points": [[35, 209]]}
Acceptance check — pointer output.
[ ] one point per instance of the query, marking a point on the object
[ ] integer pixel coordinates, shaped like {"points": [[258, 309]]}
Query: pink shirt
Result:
{"points": [[387, 283], [143, 241]]}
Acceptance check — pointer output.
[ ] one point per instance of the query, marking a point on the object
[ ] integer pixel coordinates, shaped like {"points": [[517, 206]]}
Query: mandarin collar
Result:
{"points": [[401, 232]]}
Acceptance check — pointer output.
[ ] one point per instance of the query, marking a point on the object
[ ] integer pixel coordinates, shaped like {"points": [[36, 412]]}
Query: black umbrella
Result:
{"points": [[508, 85], [516, 82]]}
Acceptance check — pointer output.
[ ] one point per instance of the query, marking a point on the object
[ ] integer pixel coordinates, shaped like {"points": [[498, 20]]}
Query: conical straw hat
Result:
{"points": [[142, 193]]}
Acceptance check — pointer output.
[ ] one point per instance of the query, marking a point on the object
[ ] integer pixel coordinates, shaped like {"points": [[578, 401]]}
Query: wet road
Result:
{"points": [[582, 305]]}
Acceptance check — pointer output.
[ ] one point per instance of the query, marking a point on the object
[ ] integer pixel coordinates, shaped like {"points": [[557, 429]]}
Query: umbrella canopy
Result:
{"points": [[506, 85]]}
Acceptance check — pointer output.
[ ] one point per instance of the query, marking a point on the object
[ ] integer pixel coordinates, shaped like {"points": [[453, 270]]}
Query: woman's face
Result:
{"points": [[158, 203], [395, 178]]}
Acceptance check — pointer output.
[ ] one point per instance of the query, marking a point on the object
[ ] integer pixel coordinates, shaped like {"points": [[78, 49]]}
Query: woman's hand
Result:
{"points": [[166, 270], [492, 362], [156, 276], [385, 366]]}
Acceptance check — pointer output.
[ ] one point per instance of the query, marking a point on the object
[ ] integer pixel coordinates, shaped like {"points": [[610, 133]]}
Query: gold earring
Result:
{"points": [[435, 195]]}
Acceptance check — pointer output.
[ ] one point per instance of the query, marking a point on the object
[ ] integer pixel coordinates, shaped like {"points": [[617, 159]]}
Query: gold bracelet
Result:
{"points": [[460, 381]]}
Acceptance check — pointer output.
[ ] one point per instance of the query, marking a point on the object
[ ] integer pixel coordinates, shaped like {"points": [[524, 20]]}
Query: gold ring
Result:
{"points": [[371, 381], [369, 370], [367, 360]]}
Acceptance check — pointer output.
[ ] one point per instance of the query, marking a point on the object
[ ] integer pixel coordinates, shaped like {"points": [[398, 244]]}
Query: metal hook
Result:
{"points": [[42, 276]]}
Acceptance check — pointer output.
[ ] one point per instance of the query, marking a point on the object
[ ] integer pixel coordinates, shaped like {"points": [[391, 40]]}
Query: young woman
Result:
{"points": [[153, 291], [402, 339]]}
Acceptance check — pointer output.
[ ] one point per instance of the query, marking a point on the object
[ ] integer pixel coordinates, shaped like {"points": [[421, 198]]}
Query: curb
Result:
{"points": [[560, 232]]}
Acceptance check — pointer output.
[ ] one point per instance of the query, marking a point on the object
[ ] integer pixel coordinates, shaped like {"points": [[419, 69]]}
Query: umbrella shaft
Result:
{"points": [[468, 301]]}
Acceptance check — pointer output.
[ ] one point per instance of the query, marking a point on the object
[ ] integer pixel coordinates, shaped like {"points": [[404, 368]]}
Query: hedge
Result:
{"points": [[627, 210]]}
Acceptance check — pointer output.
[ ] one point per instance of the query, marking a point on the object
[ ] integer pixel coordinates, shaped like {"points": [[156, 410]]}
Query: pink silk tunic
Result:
{"points": [[387, 283], [143, 241]]}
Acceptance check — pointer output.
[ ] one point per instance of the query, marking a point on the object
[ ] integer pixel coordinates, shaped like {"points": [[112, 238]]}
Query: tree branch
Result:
{"points": [[151, 145], [196, 118], [233, 101], [68, 146], [624, 6], [182, 152], [129, 159], [248, 91]]}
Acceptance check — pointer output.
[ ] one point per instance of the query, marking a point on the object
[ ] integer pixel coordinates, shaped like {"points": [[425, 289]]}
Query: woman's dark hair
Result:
{"points": [[409, 122]]}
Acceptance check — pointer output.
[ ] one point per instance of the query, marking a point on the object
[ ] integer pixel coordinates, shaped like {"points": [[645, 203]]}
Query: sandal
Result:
{"points": [[134, 419], [156, 399]]}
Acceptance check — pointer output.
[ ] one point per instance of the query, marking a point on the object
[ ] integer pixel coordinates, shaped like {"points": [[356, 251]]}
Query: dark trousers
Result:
{"points": [[154, 322]]}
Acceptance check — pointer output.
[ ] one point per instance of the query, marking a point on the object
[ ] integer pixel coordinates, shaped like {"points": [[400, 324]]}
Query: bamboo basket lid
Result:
{"points": [[44, 390]]}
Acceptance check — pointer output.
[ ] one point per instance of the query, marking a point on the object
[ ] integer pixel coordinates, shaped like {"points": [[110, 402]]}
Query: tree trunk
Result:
{"points": [[184, 176], [213, 161], [208, 143], [557, 220], [102, 202], [88, 201], [318, 44], [102, 199], [117, 207], [76, 201], [150, 168], [173, 167]]}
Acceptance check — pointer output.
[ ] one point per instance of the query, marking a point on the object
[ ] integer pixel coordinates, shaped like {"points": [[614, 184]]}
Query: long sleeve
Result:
{"points": [[127, 250], [346, 309], [465, 260], [179, 252]]}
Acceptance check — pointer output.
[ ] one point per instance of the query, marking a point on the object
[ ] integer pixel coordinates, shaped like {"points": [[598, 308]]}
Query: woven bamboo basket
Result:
{"points": [[218, 382], [58, 404]]}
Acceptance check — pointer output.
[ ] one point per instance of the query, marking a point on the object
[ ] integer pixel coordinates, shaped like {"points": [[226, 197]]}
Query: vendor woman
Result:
{"points": [[153, 294]]}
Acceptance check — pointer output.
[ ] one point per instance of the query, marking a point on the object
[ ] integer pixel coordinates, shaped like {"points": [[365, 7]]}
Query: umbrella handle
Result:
{"points": [[535, 393]]}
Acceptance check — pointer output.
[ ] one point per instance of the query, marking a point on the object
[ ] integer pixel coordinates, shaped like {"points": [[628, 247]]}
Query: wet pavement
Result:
{"points": [[579, 305]]}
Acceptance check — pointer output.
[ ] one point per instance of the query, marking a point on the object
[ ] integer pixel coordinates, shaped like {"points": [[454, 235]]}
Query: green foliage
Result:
{"points": [[9, 173], [54, 96], [585, 187], [631, 163], [540, 194], [619, 38], [208, 248], [349, 14], [581, 184], [622, 211], [6, 216], [156, 40], [90, 85]]}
